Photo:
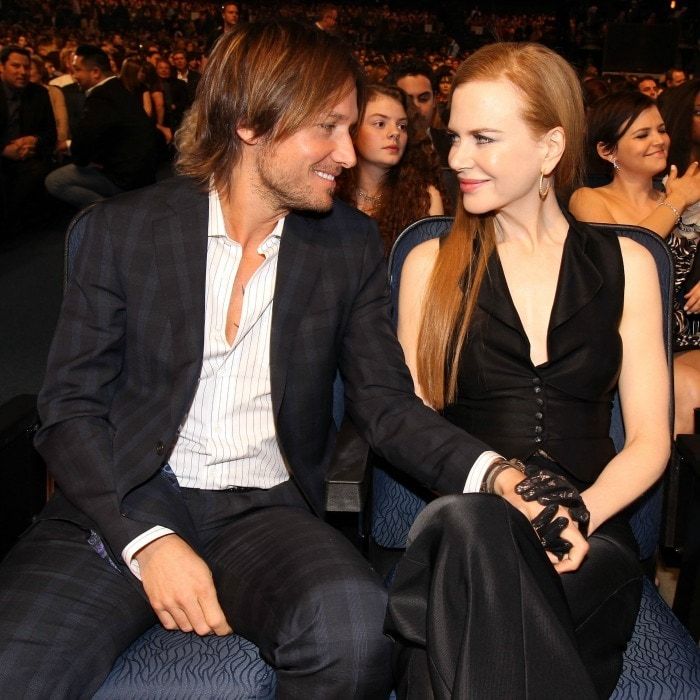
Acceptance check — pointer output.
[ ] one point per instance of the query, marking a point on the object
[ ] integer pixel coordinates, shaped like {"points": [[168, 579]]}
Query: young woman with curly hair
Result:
{"points": [[397, 178]]}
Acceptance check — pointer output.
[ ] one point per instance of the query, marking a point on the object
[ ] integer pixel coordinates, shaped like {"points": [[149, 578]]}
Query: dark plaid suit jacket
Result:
{"points": [[127, 355]]}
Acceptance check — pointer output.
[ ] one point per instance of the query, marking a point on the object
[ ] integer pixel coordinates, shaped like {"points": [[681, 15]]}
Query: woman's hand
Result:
{"points": [[692, 300], [505, 485], [683, 191]]}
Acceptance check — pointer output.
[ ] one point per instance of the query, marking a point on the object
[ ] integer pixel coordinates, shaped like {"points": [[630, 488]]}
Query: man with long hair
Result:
{"points": [[187, 409]]}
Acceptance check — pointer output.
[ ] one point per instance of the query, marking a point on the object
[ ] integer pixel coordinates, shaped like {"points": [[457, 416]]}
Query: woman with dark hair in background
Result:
{"points": [[443, 81], [133, 76], [396, 180], [518, 325], [629, 135]]}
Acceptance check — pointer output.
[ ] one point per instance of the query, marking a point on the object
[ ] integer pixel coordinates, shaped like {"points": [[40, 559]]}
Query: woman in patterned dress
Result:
{"points": [[628, 133]]}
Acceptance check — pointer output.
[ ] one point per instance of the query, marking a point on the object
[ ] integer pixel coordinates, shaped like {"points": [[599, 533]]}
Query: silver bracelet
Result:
{"points": [[495, 468], [664, 203]]}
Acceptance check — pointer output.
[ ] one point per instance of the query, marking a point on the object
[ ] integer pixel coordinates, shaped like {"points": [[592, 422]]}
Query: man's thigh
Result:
{"points": [[66, 613], [298, 588]]}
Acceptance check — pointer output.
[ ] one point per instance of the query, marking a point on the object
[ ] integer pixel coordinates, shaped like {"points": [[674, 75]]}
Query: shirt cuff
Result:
{"points": [[478, 471], [140, 542]]}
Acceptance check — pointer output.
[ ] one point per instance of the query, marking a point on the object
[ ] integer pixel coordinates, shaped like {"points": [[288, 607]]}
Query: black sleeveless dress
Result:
{"points": [[556, 414]]}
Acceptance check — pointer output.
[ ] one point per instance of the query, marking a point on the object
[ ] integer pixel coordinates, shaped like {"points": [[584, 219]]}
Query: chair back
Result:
{"points": [[396, 505]]}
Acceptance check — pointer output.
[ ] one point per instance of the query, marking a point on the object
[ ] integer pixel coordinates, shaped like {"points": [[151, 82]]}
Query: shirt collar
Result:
{"points": [[217, 226], [102, 82]]}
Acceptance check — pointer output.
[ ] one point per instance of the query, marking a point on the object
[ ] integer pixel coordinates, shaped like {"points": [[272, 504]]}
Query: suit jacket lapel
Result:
{"points": [[180, 240], [297, 270]]}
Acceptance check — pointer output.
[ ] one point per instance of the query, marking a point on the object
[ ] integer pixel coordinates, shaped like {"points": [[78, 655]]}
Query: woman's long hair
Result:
{"points": [[551, 95], [404, 192]]}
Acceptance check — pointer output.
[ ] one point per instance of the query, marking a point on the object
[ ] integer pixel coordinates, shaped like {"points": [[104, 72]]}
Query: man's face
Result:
{"points": [[180, 61], [163, 69], [420, 91], [648, 88], [230, 15], [677, 78], [330, 20], [154, 58], [84, 76], [299, 172], [15, 71]]}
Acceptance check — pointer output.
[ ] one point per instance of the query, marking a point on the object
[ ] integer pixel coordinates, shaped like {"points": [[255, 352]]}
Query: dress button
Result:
{"points": [[538, 439], [538, 389], [160, 448], [539, 415], [539, 402], [538, 429], [536, 380]]}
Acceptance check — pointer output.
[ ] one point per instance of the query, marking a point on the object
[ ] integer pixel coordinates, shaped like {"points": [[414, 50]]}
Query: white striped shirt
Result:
{"points": [[228, 436]]}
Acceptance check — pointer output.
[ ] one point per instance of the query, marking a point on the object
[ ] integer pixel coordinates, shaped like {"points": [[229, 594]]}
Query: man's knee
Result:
{"points": [[340, 636]]}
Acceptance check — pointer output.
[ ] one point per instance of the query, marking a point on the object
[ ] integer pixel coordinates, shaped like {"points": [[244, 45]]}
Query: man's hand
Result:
{"points": [[21, 148], [180, 587]]}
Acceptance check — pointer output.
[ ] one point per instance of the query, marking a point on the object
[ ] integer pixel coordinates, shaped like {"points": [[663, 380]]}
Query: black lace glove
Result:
{"points": [[549, 529], [553, 489]]}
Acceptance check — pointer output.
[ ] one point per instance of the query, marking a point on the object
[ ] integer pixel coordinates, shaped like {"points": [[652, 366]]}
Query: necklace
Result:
{"points": [[374, 200]]}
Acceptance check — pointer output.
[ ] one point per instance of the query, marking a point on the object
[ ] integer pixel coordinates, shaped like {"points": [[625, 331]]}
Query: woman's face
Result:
{"points": [[445, 84], [497, 157], [643, 148], [382, 135], [34, 73]]}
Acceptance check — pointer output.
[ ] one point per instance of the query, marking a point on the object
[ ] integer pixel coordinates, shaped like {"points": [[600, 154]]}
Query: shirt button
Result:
{"points": [[539, 402], [538, 439], [536, 380], [538, 429], [538, 389], [539, 415]]}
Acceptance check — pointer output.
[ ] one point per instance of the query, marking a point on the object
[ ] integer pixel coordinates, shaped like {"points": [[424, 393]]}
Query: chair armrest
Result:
{"points": [[347, 477]]}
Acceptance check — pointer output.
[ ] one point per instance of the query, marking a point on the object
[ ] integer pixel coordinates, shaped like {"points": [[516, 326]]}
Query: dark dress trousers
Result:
{"points": [[121, 376], [115, 134]]}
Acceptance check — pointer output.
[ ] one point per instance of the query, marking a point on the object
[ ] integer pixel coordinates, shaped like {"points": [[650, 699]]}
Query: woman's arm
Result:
{"points": [[644, 393], [588, 205], [147, 103], [159, 106], [436, 206], [415, 276]]}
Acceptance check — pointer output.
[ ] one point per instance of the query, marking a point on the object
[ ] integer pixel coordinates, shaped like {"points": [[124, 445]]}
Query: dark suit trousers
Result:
{"points": [[478, 611], [286, 580]]}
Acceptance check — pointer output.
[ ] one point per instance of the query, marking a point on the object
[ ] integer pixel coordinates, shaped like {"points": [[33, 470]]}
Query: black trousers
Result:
{"points": [[477, 610], [286, 580]]}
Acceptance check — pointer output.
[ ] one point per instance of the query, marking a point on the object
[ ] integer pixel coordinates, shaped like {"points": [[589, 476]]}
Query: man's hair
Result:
{"points": [[5, 53], [94, 57], [671, 71], [271, 77], [412, 66]]}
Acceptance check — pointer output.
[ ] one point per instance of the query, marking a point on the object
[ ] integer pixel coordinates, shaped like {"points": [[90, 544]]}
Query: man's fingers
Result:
{"points": [[213, 614], [166, 619]]}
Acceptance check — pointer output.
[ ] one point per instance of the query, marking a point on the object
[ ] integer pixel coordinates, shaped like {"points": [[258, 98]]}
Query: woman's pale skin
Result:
{"points": [[498, 160], [631, 199], [380, 144]]}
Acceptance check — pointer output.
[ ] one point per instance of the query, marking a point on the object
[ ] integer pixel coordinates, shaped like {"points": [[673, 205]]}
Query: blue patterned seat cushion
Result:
{"points": [[163, 665], [662, 662]]}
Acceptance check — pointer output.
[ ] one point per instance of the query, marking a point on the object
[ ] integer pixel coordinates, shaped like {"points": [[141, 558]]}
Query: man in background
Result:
{"points": [[113, 146]]}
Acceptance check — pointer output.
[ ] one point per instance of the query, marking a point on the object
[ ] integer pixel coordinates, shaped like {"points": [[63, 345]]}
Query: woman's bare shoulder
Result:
{"points": [[591, 204]]}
